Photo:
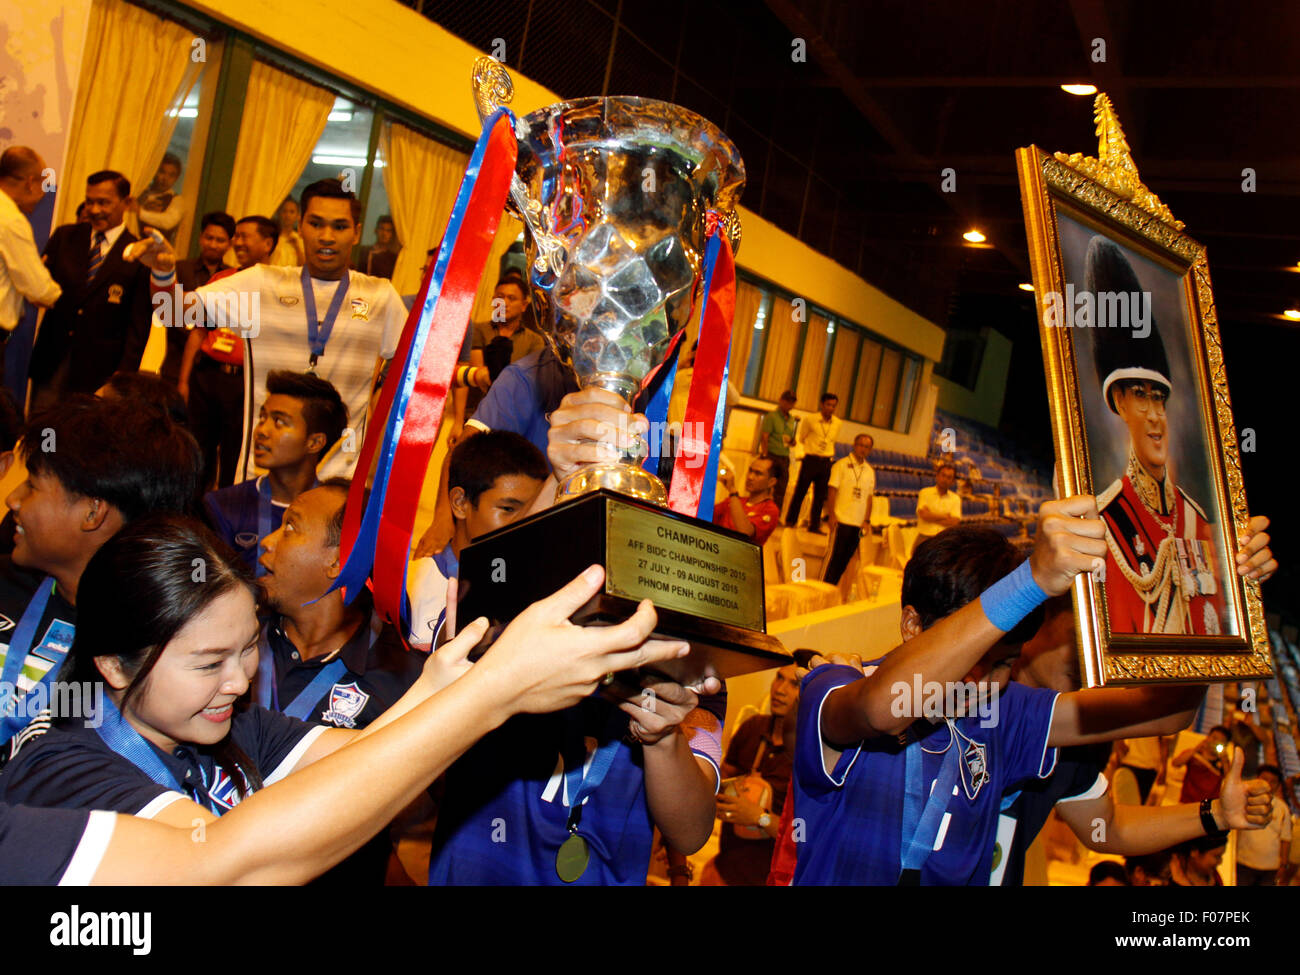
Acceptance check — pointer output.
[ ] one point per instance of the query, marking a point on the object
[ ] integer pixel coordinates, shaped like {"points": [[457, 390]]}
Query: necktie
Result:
{"points": [[96, 255]]}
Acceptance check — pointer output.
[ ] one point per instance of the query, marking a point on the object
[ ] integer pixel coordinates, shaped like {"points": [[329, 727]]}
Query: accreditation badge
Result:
{"points": [[114, 294]]}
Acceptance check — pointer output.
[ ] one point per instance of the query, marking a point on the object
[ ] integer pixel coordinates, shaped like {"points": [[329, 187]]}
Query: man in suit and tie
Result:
{"points": [[100, 324]]}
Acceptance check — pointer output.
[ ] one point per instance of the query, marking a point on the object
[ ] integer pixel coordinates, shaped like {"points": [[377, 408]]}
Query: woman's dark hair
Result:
{"points": [[138, 591], [952, 568]]}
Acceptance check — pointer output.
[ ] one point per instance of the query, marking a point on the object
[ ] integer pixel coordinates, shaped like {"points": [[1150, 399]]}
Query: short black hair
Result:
{"points": [[334, 530], [946, 466], [479, 460], [1107, 870], [330, 189], [120, 183], [172, 158], [221, 219], [1222, 729], [151, 388], [949, 570], [1272, 770], [323, 408], [826, 396], [125, 452], [515, 278], [385, 218], [265, 226]]}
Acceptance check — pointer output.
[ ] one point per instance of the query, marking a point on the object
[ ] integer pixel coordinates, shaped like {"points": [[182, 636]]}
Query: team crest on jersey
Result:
{"points": [[346, 703], [975, 761], [288, 300], [360, 309], [246, 539], [223, 791]]}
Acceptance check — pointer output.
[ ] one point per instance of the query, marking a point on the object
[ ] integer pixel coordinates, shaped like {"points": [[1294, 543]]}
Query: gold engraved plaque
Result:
{"points": [[683, 567]]}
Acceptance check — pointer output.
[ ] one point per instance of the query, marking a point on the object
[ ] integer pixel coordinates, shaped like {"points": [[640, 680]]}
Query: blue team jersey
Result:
{"points": [[513, 403], [507, 802], [232, 512], [852, 818]]}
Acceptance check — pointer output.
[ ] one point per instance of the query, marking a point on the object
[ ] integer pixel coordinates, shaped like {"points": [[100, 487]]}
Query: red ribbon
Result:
{"points": [[706, 382]]}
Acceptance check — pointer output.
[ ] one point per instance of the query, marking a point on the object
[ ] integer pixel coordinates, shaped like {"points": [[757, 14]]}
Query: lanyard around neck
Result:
{"points": [[268, 690], [19, 646], [920, 824], [318, 332]]}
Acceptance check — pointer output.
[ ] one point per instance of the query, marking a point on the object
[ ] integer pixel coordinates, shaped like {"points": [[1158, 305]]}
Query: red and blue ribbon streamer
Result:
{"points": [[696, 467], [376, 539]]}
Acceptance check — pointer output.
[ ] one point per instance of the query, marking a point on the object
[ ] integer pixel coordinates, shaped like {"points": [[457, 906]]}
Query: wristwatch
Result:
{"points": [[764, 820], [1208, 822]]}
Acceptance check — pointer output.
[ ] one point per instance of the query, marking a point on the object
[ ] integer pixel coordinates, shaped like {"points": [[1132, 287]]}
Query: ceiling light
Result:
{"points": [[1026, 286], [1080, 89], [974, 236], [339, 117], [345, 161], [1293, 314]]}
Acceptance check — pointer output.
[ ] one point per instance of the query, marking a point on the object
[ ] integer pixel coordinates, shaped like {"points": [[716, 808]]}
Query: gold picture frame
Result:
{"points": [[1203, 622]]}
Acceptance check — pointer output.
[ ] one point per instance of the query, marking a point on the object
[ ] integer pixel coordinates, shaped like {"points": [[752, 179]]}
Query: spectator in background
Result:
{"points": [[22, 275], [1263, 855], [755, 515], [1196, 862], [379, 259], [212, 368], [1253, 740], [504, 339], [216, 230], [81, 216], [817, 435], [1151, 870], [1145, 758], [146, 387], [938, 506], [100, 324], [1205, 766], [289, 251], [1108, 873], [300, 420], [160, 207], [756, 776], [849, 493], [775, 438]]}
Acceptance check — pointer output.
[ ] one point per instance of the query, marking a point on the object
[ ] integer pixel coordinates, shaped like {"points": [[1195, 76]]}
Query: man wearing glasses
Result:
{"points": [[1162, 570]]}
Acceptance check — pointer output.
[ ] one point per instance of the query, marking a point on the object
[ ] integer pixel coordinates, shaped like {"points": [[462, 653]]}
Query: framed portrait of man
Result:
{"points": [[1142, 420]]}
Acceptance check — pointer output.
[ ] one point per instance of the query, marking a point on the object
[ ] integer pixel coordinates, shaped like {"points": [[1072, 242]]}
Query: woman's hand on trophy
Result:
{"points": [[542, 662], [592, 426]]}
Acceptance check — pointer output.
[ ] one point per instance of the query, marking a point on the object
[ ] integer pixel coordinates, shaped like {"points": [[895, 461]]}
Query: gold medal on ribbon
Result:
{"points": [[571, 860]]}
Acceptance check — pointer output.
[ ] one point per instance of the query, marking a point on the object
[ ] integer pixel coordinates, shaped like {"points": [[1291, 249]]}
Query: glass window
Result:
{"points": [[343, 149], [865, 388], [754, 362], [185, 148], [374, 256], [745, 326], [907, 394]]}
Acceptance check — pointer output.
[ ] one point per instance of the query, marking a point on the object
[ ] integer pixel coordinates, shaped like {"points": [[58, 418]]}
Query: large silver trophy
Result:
{"points": [[617, 195]]}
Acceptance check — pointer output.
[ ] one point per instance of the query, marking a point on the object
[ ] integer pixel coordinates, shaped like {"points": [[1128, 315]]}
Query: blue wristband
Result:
{"points": [[1012, 598]]}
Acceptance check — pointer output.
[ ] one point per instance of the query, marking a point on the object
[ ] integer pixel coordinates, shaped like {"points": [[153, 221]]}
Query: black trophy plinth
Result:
{"points": [[706, 582]]}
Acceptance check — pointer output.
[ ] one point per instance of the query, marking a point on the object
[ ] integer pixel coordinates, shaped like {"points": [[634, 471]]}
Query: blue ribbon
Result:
{"points": [[705, 512], [302, 705], [579, 786], [19, 646], [921, 826], [318, 333], [118, 735], [657, 411], [362, 557]]}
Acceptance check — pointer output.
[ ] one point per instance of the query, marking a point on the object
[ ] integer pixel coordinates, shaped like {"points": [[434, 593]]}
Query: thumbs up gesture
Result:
{"points": [[1244, 805]]}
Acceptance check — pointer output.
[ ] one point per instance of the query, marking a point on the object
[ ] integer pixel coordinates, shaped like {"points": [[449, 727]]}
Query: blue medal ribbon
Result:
{"points": [[921, 825], [318, 332], [19, 646], [579, 786], [268, 691], [302, 705]]}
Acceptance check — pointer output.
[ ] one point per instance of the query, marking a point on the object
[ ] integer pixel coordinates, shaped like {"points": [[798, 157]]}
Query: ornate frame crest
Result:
{"points": [[1106, 195]]}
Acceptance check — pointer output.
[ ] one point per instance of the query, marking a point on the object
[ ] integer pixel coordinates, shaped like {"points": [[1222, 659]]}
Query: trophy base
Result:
{"points": [[706, 582], [624, 479]]}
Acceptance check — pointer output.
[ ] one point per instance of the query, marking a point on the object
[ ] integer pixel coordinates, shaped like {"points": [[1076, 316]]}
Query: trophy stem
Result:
{"points": [[626, 479]]}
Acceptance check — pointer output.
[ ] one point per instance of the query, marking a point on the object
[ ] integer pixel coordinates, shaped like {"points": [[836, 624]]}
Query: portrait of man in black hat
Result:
{"points": [[1163, 568]]}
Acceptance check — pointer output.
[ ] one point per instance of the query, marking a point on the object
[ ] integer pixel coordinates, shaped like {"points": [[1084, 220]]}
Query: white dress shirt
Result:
{"points": [[22, 273]]}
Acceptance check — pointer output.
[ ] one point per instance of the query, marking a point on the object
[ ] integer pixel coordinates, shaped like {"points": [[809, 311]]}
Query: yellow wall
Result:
{"points": [[383, 47]]}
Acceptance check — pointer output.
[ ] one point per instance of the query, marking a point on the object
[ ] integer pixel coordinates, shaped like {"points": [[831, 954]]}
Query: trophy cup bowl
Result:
{"points": [[617, 195]]}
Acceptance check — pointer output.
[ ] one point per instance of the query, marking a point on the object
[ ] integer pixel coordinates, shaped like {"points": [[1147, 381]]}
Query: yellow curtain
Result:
{"points": [[748, 299], [812, 364], [507, 232], [421, 178], [785, 323], [283, 120], [136, 67], [842, 362]]}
